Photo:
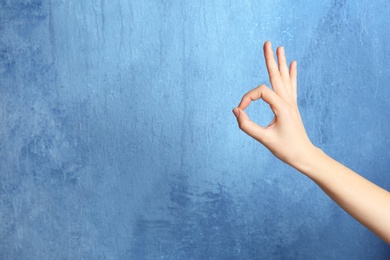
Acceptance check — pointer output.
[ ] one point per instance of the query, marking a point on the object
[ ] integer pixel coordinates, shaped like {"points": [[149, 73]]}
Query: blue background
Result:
{"points": [[117, 139]]}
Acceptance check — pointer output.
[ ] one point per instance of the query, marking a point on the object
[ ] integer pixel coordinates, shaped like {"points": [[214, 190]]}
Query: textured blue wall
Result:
{"points": [[117, 139]]}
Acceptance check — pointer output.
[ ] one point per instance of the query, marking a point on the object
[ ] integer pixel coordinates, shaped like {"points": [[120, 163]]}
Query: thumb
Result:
{"points": [[249, 127], [240, 115], [236, 112]]}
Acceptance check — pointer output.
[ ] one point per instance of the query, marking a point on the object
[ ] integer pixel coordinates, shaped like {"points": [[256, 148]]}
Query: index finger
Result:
{"points": [[261, 92]]}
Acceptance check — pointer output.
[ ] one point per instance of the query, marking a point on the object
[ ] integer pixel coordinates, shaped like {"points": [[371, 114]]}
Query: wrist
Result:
{"points": [[309, 160]]}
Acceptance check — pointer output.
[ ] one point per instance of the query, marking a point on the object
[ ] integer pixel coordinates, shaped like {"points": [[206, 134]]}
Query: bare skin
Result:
{"points": [[287, 139]]}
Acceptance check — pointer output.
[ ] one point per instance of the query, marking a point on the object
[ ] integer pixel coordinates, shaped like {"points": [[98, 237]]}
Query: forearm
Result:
{"points": [[362, 199]]}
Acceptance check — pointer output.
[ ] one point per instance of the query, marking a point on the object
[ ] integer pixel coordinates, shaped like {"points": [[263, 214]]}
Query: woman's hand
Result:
{"points": [[285, 136]]}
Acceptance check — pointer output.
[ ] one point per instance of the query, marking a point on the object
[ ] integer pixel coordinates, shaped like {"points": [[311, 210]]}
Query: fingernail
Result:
{"points": [[294, 64], [236, 112]]}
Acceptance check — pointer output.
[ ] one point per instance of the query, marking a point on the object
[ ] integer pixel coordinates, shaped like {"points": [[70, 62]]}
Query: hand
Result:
{"points": [[285, 136]]}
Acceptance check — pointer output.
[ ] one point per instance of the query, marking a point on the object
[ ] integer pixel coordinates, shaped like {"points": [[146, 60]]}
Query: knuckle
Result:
{"points": [[261, 89]]}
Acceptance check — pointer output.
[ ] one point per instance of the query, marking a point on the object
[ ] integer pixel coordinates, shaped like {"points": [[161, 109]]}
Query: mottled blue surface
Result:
{"points": [[117, 139]]}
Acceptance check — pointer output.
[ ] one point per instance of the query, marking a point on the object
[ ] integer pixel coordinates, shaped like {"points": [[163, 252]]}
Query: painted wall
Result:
{"points": [[117, 139]]}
